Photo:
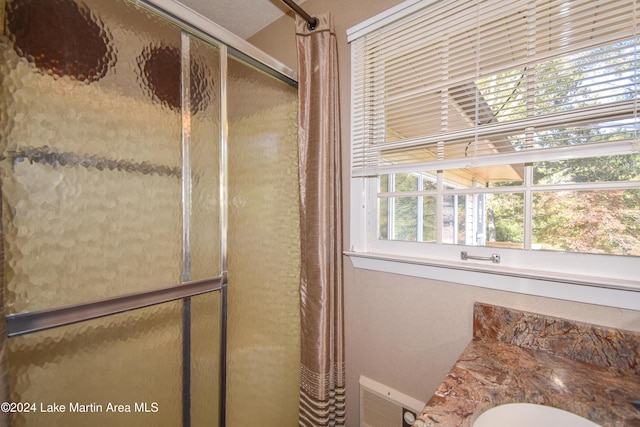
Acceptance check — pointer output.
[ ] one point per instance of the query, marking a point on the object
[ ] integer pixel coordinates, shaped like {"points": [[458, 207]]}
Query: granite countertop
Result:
{"points": [[517, 356]]}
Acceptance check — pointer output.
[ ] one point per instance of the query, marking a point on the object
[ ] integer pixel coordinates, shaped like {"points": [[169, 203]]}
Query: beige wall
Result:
{"points": [[403, 331]]}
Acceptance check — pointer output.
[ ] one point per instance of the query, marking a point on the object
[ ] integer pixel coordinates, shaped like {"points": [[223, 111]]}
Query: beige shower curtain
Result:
{"points": [[321, 298]]}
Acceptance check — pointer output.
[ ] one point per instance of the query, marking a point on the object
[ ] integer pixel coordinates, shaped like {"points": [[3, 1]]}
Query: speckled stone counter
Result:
{"points": [[516, 356]]}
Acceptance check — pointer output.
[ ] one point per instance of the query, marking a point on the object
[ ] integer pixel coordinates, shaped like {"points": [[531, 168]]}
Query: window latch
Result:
{"points": [[495, 258]]}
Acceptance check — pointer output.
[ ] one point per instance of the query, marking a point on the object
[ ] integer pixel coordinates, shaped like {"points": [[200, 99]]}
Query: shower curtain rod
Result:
{"points": [[312, 21]]}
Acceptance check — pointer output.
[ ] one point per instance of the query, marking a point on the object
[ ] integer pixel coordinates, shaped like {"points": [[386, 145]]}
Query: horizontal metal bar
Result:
{"points": [[26, 323], [495, 258]]}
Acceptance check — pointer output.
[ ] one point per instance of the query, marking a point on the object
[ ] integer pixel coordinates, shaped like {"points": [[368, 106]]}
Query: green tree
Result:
{"points": [[605, 222]]}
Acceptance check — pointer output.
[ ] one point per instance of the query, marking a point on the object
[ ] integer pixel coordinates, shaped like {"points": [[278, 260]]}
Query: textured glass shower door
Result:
{"points": [[110, 192], [263, 343]]}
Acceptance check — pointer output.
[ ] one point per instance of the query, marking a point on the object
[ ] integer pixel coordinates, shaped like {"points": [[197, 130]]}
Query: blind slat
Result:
{"points": [[494, 78]]}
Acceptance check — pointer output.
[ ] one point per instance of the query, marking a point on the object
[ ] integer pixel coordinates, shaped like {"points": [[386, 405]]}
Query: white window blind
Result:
{"points": [[468, 83]]}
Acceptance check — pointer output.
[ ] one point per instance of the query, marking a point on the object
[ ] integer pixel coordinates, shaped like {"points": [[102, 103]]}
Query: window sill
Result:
{"points": [[591, 290]]}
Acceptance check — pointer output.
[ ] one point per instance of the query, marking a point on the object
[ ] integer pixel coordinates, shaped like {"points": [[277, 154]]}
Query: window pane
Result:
{"points": [[597, 169], [383, 208], [505, 220], [453, 214], [603, 222], [484, 219], [428, 219], [405, 218], [405, 224]]}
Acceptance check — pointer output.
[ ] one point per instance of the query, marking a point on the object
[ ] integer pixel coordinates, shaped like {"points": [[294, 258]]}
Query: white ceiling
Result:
{"points": [[242, 17]]}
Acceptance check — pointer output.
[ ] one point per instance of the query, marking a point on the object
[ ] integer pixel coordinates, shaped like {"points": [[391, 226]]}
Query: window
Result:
{"points": [[506, 127]]}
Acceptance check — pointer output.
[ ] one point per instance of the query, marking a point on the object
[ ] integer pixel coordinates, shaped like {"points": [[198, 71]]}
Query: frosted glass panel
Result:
{"points": [[131, 359], [77, 234], [264, 251], [205, 160], [205, 360], [91, 152]]}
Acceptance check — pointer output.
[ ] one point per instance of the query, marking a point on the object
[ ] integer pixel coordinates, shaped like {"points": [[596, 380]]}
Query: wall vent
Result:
{"points": [[382, 406]]}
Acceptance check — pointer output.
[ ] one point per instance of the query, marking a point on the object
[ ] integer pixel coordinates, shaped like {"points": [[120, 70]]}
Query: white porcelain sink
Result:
{"points": [[530, 415]]}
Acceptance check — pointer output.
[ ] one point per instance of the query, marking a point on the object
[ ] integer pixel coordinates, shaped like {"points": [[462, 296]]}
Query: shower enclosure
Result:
{"points": [[149, 220]]}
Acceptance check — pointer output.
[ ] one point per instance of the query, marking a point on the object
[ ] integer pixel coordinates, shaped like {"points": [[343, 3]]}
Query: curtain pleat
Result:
{"points": [[322, 379]]}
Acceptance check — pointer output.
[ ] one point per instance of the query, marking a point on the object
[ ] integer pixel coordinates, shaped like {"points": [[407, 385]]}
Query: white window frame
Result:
{"points": [[595, 279]]}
